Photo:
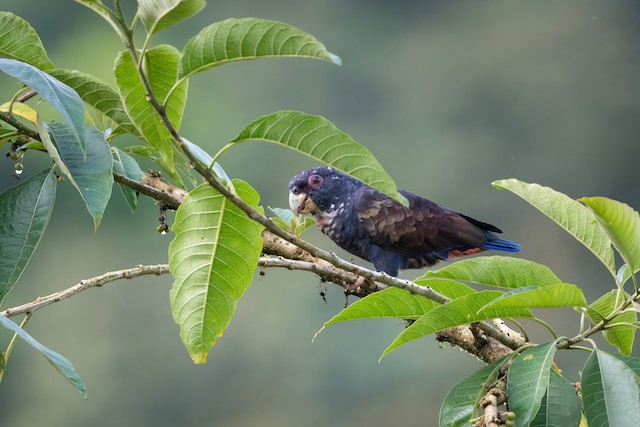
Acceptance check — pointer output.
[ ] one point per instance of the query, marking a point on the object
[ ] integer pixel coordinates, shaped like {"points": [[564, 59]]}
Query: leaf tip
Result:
{"points": [[199, 359], [317, 333], [403, 200], [499, 184], [335, 58]]}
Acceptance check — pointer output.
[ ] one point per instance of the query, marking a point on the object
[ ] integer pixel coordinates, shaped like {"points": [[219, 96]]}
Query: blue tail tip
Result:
{"points": [[501, 245]]}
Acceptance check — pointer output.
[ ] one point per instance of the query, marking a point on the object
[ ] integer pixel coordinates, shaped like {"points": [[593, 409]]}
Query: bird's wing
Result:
{"points": [[422, 227]]}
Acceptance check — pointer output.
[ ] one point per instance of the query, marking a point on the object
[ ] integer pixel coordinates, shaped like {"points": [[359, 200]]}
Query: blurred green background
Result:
{"points": [[448, 95]]}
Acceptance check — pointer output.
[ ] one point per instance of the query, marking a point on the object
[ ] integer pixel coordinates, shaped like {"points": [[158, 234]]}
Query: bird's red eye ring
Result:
{"points": [[314, 181]]}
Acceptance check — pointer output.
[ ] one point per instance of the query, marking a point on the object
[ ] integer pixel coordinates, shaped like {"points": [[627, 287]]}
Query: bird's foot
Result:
{"points": [[360, 281]]}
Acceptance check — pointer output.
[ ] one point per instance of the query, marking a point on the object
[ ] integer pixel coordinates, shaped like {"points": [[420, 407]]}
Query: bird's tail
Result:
{"points": [[501, 245]]}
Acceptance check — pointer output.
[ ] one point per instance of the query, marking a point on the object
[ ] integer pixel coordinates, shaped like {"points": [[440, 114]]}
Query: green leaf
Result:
{"points": [[528, 381], [388, 303], [303, 224], [621, 336], [460, 404], [19, 41], [126, 165], [289, 221], [610, 391], [501, 271], [398, 303], [560, 406], [61, 364], [98, 7], [157, 15], [161, 63], [632, 363], [212, 258], [59, 95], [624, 274], [556, 295], [461, 311], [91, 175], [286, 217], [447, 287], [24, 214], [248, 38], [96, 93], [571, 215], [319, 139], [206, 159], [622, 225]]}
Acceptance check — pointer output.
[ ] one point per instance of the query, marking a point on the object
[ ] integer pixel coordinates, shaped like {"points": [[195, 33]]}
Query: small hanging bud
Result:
{"points": [[162, 228], [18, 168]]}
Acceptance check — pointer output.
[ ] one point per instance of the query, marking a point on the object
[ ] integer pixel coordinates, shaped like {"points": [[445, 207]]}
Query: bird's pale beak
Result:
{"points": [[301, 203]]}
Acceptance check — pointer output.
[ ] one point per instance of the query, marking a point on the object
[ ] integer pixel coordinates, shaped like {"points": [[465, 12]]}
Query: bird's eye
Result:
{"points": [[295, 190], [314, 181]]}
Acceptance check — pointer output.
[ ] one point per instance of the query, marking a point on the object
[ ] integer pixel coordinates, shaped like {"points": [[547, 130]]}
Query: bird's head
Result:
{"points": [[320, 190]]}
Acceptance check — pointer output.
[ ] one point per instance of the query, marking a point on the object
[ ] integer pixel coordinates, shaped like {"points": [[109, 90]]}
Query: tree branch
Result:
{"points": [[283, 243], [474, 340], [83, 285]]}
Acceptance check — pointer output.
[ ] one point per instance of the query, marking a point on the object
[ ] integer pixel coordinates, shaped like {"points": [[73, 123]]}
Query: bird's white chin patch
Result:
{"points": [[302, 204]]}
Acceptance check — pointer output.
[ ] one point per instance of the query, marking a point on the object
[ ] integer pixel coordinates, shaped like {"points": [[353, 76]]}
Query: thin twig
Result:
{"points": [[9, 118], [83, 285], [27, 96]]}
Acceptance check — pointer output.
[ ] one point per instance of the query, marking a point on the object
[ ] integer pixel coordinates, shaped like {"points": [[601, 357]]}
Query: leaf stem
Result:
{"points": [[601, 325], [547, 326], [220, 153], [12, 343]]}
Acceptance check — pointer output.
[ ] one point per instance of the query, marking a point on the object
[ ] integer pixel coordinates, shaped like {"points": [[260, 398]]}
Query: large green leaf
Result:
{"points": [[96, 93], [560, 406], [556, 295], [528, 381], [59, 95], [212, 258], [610, 392], [622, 225], [622, 336], [632, 363], [571, 215], [18, 40], [161, 64], [319, 139], [91, 175], [501, 271], [159, 14], [61, 364], [126, 165], [461, 311], [460, 405], [248, 38], [24, 213], [398, 303]]}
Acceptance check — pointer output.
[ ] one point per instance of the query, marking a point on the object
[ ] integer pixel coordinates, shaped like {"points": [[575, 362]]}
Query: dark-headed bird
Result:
{"points": [[372, 226]]}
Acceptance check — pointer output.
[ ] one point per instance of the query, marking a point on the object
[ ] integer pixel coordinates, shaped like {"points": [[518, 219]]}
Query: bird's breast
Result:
{"points": [[342, 226]]}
